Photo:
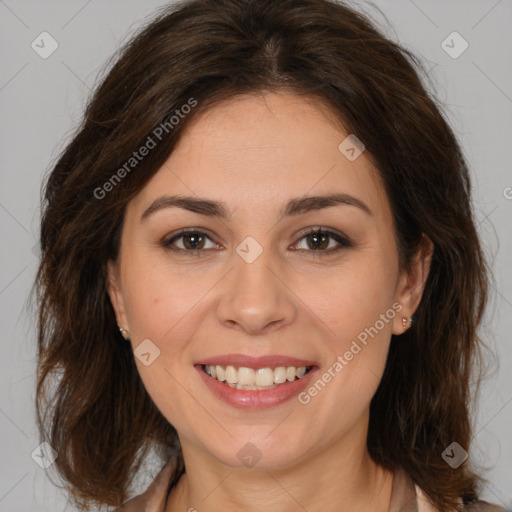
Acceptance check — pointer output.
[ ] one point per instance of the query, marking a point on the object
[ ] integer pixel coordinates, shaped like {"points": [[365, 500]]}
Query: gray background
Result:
{"points": [[41, 101]]}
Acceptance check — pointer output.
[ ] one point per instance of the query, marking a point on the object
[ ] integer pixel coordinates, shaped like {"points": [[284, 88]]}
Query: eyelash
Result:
{"points": [[342, 240]]}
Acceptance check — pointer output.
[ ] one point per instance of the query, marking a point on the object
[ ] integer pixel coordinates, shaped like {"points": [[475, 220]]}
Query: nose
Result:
{"points": [[255, 299]]}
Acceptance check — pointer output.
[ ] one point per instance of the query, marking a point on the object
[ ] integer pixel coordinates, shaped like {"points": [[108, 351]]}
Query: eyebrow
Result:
{"points": [[297, 206]]}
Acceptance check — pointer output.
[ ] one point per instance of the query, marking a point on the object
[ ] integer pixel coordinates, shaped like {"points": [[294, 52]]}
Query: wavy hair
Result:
{"points": [[91, 404]]}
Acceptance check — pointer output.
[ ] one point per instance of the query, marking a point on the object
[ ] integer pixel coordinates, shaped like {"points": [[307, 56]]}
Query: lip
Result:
{"points": [[256, 399], [268, 361]]}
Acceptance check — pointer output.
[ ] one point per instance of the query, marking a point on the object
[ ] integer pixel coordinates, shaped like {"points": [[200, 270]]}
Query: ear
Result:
{"points": [[115, 294], [411, 284]]}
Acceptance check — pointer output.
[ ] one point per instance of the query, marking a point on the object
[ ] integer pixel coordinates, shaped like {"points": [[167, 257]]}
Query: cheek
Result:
{"points": [[164, 308], [359, 314], [161, 299], [352, 298], [358, 308]]}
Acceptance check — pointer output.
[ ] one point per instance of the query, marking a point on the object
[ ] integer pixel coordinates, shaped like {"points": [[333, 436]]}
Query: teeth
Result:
{"points": [[231, 375], [300, 372], [219, 371], [248, 378], [245, 376], [280, 374], [264, 377]]}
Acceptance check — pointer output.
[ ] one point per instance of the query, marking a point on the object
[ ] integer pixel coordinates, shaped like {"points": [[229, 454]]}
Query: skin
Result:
{"points": [[254, 153]]}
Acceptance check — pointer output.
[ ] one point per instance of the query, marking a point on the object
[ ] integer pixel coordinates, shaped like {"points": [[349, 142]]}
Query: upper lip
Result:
{"points": [[268, 361]]}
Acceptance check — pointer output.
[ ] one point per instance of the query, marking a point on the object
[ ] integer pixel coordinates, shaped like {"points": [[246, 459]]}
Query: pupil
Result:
{"points": [[318, 239], [193, 241]]}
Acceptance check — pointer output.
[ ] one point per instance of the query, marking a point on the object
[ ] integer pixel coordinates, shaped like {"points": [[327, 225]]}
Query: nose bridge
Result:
{"points": [[253, 275], [255, 297]]}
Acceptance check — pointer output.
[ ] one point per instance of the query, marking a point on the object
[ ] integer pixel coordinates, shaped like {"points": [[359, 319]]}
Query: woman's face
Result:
{"points": [[252, 280]]}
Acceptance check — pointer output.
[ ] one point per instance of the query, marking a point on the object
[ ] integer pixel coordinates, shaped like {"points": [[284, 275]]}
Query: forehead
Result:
{"points": [[255, 152]]}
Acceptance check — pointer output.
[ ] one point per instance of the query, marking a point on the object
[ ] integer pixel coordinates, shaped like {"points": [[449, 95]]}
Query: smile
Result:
{"points": [[255, 379], [247, 382]]}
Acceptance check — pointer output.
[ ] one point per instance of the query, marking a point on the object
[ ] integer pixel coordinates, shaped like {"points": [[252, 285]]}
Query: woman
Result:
{"points": [[259, 256]]}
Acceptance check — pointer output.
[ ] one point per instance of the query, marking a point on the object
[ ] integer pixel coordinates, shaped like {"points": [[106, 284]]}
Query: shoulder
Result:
{"points": [[153, 499], [425, 505], [138, 503]]}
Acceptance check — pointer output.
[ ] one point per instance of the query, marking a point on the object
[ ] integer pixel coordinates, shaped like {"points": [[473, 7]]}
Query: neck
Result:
{"points": [[338, 479]]}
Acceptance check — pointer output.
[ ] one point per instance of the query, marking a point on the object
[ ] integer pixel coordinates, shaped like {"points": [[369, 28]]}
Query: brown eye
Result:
{"points": [[192, 242], [317, 241], [323, 241]]}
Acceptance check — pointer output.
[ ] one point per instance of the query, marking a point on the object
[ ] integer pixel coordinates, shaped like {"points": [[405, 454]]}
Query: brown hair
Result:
{"points": [[99, 418]]}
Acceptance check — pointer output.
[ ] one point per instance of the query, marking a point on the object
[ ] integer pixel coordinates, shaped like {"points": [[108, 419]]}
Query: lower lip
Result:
{"points": [[256, 399]]}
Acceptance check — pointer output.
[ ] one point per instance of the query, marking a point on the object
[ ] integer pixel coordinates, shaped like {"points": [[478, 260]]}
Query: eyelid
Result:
{"points": [[167, 242], [343, 241], [321, 229]]}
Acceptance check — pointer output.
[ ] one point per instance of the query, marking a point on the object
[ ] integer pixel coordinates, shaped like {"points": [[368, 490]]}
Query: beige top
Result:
{"points": [[406, 496]]}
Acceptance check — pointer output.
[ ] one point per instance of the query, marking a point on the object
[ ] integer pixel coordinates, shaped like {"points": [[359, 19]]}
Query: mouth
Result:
{"points": [[255, 382], [252, 379]]}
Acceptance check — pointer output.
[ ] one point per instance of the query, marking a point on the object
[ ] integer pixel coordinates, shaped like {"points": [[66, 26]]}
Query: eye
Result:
{"points": [[192, 242], [318, 241]]}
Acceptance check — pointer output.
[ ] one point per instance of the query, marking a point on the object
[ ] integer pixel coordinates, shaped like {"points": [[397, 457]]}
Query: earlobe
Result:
{"points": [[412, 284]]}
